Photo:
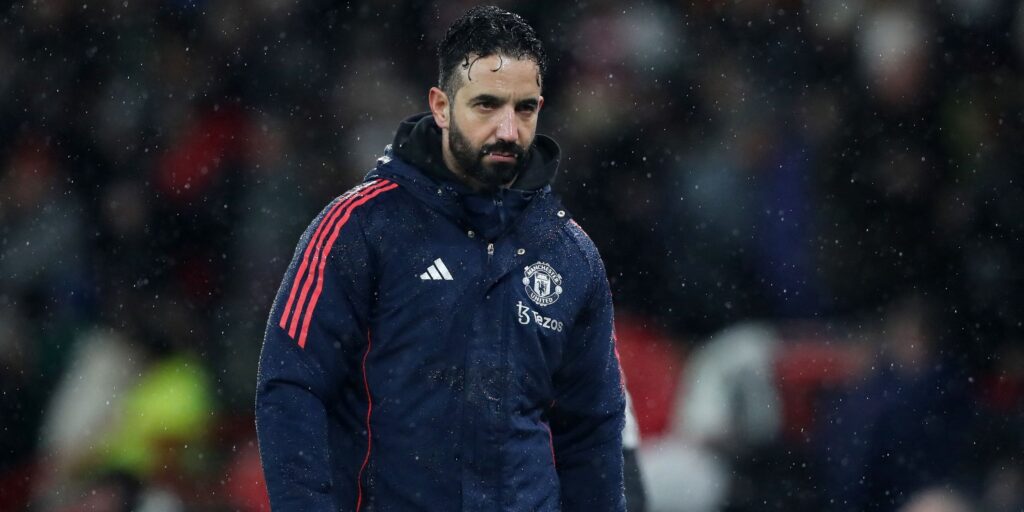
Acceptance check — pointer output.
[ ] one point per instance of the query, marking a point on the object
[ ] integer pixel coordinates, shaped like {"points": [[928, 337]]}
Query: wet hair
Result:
{"points": [[481, 32]]}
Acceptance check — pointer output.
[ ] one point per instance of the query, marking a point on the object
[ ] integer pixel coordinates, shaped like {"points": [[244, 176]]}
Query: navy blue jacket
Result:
{"points": [[412, 364]]}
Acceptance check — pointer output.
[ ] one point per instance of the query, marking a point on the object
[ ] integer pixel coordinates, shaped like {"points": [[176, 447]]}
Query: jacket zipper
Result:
{"points": [[490, 252]]}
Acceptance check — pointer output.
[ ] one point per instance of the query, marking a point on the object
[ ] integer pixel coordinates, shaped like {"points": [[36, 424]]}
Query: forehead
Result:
{"points": [[500, 76]]}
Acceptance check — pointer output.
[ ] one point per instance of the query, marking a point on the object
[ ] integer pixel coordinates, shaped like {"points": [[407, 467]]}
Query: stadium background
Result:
{"points": [[811, 214]]}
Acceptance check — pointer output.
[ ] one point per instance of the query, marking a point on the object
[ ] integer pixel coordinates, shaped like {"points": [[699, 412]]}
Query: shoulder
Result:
{"points": [[338, 214], [590, 256], [373, 194], [584, 244]]}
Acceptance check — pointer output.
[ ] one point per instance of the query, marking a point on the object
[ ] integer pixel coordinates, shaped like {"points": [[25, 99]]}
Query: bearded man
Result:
{"points": [[443, 337]]}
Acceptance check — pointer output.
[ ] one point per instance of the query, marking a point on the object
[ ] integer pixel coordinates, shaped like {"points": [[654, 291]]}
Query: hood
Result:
{"points": [[418, 142], [416, 161]]}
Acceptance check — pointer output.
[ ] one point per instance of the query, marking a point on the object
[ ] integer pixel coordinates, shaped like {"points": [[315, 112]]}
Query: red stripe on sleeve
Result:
{"points": [[319, 254], [326, 252], [313, 241], [305, 263], [314, 248]]}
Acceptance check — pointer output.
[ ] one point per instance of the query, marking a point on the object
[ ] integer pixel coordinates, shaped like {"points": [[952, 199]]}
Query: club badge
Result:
{"points": [[543, 285]]}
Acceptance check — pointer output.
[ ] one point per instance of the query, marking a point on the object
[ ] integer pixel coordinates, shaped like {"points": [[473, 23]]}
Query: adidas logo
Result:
{"points": [[436, 272]]}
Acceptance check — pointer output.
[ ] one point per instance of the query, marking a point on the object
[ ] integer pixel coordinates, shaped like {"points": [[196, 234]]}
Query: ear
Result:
{"points": [[540, 103], [440, 106]]}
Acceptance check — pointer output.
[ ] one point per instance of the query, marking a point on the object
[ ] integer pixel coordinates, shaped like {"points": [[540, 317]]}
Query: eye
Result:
{"points": [[528, 109], [486, 105]]}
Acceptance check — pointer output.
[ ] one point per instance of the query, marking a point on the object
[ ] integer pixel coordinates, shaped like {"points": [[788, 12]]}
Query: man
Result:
{"points": [[443, 337]]}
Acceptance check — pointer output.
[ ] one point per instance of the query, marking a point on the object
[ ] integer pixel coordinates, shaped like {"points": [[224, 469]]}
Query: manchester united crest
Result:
{"points": [[543, 285]]}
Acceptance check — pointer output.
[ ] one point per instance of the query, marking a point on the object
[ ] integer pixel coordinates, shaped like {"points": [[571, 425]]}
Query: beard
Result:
{"points": [[489, 175]]}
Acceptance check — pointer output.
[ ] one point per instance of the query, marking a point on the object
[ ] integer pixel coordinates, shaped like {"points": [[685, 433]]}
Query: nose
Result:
{"points": [[508, 126]]}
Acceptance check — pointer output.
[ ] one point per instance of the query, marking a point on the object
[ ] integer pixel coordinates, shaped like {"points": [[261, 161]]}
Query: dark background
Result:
{"points": [[845, 175]]}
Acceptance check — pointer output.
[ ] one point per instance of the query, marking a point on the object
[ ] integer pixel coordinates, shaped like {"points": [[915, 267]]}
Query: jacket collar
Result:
{"points": [[418, 142], [414, 161]]}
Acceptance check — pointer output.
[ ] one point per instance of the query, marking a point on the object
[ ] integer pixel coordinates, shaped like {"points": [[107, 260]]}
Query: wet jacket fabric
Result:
{"points": [[431, 348]]}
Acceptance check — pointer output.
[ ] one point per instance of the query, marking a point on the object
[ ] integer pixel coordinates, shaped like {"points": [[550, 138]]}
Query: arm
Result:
{"points": [[588, 414], [316, 328]]}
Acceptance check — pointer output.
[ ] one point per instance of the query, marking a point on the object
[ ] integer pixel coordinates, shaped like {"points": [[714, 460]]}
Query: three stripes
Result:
{"points": [[436, 272], [315, 257]]}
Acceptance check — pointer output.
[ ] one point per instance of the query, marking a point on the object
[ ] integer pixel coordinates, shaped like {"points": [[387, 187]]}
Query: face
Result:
{"points": [[489, 125]]}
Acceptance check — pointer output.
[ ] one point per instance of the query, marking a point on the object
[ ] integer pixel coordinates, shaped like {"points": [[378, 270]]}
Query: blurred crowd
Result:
{"points": [[809, 212]]}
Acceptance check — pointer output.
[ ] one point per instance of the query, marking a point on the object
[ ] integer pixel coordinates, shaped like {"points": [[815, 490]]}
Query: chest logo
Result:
{"points": [[543, 285]]}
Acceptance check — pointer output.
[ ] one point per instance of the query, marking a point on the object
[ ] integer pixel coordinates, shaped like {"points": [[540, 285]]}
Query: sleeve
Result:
{"points": [[317, 327], [587, 416]]}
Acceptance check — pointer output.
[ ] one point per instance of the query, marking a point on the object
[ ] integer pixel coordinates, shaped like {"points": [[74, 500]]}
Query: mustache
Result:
{"points": [[506, 147]]}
